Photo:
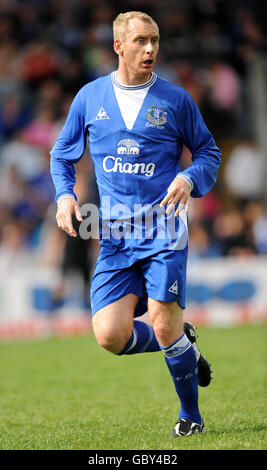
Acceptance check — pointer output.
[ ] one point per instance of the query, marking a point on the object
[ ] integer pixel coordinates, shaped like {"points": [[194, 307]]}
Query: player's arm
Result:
{"points": [[68, 149], [198, 179], [66, 208], [206, 156], [178, 192]]}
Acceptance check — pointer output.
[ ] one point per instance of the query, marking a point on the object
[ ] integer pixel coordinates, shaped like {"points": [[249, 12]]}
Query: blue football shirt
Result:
{"points": [[134, 166]]}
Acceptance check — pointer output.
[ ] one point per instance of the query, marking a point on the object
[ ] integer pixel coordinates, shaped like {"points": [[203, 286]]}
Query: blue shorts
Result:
{"points": [[161, 276]]}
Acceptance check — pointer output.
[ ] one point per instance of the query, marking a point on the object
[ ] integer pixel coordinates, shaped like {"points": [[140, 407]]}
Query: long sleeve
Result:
{"points": [[206, 156], [68, 149]]}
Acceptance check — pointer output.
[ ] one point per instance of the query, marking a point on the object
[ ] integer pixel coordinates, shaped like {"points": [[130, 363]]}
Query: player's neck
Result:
{"points": [[127, 79]]}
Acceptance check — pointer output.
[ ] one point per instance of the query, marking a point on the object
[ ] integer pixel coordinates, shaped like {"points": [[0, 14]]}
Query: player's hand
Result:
{"points": [[65, 210], [178, 193]]}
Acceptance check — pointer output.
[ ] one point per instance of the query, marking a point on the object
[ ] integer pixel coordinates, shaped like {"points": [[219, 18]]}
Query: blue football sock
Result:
{"points": [[143, 339], [182, 363]]}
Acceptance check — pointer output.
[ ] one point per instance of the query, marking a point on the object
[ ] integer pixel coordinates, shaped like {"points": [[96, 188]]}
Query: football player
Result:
{"points": [[137, 124]]}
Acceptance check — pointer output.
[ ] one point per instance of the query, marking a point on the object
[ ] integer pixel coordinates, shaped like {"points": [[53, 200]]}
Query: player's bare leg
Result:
{"points": [[113, 324], [114, 327], [167, 320]]}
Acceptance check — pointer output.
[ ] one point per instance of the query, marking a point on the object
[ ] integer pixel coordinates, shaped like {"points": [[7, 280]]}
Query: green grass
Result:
{"points": [[70, 394]]}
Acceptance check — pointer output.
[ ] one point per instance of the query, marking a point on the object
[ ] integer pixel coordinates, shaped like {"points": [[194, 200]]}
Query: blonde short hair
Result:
{"points": [[120, 24]]}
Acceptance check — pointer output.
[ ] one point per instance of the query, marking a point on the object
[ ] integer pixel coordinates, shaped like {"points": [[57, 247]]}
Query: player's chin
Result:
{"points": [[146, 69]]}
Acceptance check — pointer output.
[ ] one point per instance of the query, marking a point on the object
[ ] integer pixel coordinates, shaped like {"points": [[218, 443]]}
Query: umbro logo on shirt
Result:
{"points": [[101, 115], [174, 288]]}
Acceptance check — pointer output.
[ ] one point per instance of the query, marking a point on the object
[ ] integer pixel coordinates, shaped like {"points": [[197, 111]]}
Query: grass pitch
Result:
{"points": [[68, 393]]}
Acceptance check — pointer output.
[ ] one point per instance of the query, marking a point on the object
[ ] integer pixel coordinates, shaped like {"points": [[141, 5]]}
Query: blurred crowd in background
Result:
{"points": [[50, 48]]}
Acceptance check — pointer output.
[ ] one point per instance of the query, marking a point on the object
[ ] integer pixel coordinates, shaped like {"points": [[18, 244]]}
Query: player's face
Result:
{"points": [[138, 51]]}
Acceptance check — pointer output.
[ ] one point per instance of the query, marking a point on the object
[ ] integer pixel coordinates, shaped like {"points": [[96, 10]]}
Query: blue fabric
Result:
{"points": [[118, 274], [183, 369], [143, 339], [135, 166]]}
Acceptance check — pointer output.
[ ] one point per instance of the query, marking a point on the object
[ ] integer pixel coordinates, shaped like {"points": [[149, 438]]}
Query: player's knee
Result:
{"points": [[109, 339], [163, 332], [167, 322]]}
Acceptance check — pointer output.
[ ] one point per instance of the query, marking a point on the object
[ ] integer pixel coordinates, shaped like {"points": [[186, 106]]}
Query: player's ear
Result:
{"points": [[117, 46]]}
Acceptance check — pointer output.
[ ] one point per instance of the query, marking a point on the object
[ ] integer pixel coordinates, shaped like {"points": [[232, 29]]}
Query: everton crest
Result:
{"points": [[157, 115]]}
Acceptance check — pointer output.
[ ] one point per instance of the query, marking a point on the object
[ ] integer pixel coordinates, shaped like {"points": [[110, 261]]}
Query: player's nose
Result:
{"points": [[149, 47]]}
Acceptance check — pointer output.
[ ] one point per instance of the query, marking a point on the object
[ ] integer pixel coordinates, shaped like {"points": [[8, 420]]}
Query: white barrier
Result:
{"points": [[220, 292], [227, 291]]}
